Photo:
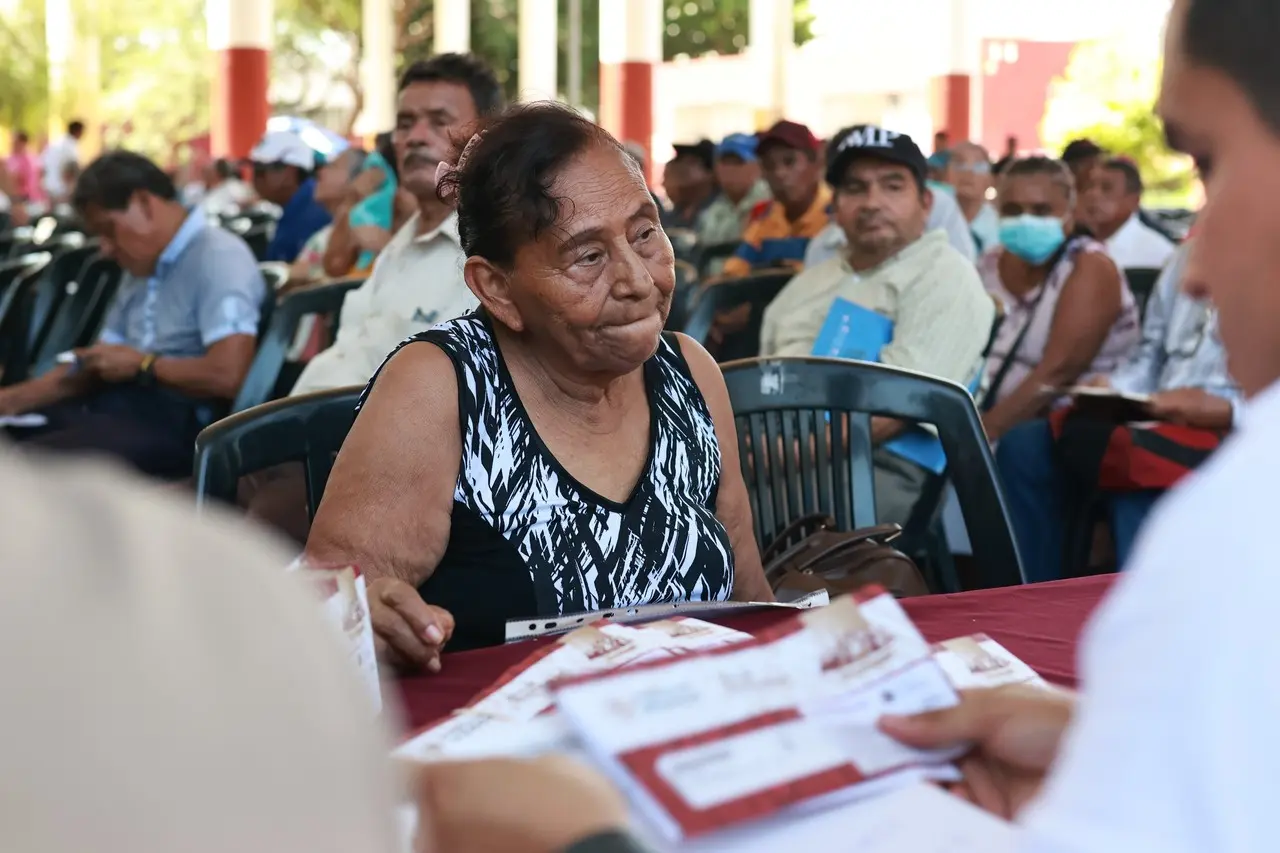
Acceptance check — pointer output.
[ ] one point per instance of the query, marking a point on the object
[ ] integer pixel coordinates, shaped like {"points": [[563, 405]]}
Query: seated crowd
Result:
{"points": [[530, 435], [531, 439]]}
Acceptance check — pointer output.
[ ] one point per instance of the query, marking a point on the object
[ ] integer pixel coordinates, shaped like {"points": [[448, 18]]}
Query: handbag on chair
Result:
{"points": [[837, 561]]}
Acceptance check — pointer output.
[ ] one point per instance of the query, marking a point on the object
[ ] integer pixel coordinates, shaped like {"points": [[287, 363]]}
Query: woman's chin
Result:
{"points": [[632, 343]]}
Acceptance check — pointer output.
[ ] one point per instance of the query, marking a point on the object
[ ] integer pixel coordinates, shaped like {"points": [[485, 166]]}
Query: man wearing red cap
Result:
{"points": [[779, 231]]}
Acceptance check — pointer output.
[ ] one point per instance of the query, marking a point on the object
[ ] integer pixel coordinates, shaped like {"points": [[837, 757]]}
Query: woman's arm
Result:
{"points": [[341, 252], [388, 504], [733, 507], [1087, 309]]}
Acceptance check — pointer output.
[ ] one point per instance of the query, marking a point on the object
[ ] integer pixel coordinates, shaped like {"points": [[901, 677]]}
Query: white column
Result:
{"points": [[377, 67], [771, 39], [539, 48], [630, 51], [452, 26]]}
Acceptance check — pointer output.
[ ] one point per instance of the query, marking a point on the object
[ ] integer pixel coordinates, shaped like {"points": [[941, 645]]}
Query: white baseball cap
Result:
{"points": [[281, 146]]}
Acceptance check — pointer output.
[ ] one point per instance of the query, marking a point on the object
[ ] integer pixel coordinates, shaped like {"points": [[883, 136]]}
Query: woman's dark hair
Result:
{"points": [[502, 186], [383, 145], [110, 181], [1055, 169]]}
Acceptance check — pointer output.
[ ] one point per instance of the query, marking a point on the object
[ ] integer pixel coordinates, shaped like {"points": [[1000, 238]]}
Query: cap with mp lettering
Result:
{"points": [[870, 141]]}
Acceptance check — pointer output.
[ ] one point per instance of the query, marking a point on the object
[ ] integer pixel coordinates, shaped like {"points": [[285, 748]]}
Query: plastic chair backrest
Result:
{"points": [[67, 264], [326, 299], [81, 311], [804, 435], [756, 290], [18, 280], [309, 429], [1142, 282]]}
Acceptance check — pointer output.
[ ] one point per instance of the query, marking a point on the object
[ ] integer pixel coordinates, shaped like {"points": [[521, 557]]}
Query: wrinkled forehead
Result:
{"points": [[1034, 188], [599, 186]]}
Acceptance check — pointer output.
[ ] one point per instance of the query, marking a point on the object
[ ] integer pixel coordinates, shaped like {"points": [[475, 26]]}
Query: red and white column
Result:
{"points": [[630, 48], [240, 40], [954, 93]]}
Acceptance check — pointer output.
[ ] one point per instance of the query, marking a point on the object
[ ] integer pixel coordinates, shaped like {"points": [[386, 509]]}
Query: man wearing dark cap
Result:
{"points": [[892, 269], [737, 172], [690, 185], [780, 230]]}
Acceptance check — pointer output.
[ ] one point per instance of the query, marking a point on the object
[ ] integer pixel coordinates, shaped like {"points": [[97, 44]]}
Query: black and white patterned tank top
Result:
{"points": [[528, 540]]}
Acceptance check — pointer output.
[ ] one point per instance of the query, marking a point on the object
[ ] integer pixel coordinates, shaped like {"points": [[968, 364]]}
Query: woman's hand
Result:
{"points": [[500, 805], [1015, 732], [408, 632]]}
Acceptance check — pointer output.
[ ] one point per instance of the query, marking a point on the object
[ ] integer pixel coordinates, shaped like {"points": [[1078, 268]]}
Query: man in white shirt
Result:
{"points": [[55, 160], [1110, 207], [417, 279]]}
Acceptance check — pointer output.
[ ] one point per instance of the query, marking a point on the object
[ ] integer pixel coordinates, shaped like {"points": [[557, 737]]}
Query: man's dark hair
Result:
{"points": [[464, 68], [225, 169], [502, 187], [1080, 149], [76, 128], [1055, 169], [110, 181], [1132, 177], [21, 136], [1238, 38]]}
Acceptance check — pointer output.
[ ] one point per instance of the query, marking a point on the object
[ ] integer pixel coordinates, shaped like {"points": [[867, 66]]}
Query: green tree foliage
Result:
{"points": [[1108, 94], [24, 72]]}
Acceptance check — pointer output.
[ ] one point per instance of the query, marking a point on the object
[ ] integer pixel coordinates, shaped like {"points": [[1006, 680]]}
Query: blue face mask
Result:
{"points": [[940, 187], [1032, 238]]}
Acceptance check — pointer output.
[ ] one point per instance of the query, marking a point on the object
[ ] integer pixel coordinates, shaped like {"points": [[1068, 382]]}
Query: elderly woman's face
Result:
{"points": [[599, 283]]}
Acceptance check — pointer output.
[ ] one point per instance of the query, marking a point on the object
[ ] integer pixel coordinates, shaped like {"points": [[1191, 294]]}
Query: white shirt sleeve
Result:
{"points": [[1174, 746], [947, 216]]}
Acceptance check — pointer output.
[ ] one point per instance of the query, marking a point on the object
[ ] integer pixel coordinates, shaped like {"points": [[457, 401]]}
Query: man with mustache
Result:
{"points": [[417, 279], [908, 280]]}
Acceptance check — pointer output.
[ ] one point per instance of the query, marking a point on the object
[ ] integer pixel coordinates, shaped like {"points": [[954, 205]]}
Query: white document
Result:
{"points": [[29, 421], [915, 819], [978, 661], [526, 629], [708, 741], [346, 607]]}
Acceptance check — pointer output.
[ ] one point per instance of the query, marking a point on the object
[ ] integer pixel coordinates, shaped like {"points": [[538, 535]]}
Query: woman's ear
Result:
{"points": [[492, 287]]}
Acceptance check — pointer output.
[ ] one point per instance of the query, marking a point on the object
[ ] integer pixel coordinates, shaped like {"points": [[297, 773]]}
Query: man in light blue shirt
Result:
{"points": [[177, 340], [1181, 365]]}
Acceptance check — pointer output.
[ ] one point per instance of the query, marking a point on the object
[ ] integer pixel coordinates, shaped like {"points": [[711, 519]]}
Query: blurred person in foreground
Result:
{"points": [[778, 231], [553, 452], [191, 699], [969, 172], [1170, 745], [284, 169], [1181, 364], [177, 340], [1069, 316], [1111, 206], [896, 269], [737, 172]]}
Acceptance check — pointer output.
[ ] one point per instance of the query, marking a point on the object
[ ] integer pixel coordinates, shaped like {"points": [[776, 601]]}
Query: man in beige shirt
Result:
{"points": [[940, 312]]}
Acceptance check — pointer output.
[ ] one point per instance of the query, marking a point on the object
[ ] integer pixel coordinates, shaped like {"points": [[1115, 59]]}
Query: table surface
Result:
{"points": [[1039, 623]]}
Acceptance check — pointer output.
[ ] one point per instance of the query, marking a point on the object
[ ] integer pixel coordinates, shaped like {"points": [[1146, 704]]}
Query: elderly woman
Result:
{"points": [[1069, 315], [553, 452]]}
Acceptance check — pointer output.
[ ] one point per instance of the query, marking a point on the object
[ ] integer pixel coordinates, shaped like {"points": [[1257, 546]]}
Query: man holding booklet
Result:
{"points": [[1178, 377], [896, 295]]}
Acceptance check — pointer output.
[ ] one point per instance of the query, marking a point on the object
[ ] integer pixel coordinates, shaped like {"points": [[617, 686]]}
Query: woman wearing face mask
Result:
{"points": [[1069, 316]]}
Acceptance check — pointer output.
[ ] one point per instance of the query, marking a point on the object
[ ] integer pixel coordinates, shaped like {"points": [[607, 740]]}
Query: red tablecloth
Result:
{"points": [[1039, 623]]}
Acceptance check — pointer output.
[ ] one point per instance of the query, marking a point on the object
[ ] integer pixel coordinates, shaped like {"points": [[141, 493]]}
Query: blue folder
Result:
{"points": [[851, 331]]}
